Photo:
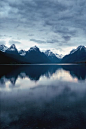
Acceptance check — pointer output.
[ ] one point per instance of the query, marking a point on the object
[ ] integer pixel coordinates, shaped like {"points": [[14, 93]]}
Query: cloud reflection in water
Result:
{"points": [[50, 98]]}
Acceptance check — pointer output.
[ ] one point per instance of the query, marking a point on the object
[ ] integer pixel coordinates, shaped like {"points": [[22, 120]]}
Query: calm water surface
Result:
{"points": [[43, 97]]}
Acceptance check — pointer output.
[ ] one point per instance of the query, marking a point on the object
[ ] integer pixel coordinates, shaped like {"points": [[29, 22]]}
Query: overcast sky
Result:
{"points": [[58, 25]]}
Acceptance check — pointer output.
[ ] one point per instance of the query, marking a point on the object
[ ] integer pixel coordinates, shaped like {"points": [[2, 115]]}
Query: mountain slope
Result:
{"points": [[76, 55], [34, 55], [6, 59], [53, 58]]}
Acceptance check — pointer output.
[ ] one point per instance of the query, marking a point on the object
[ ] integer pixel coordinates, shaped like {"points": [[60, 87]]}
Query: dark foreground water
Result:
{"points": [[43, 97]]}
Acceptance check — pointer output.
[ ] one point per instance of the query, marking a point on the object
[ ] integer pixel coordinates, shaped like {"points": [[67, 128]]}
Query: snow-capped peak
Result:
{"points": [[35, 48], [22, 52], [60, 56], [49, 53], [78, 48], [12, 48], [3, 48]]}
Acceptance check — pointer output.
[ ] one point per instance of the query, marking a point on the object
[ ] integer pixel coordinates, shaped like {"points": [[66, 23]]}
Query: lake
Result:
{"points": [[43, 96]]}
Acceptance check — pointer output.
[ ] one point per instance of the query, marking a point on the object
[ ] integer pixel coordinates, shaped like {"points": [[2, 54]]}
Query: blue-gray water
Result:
{"points": [[43, 97]]}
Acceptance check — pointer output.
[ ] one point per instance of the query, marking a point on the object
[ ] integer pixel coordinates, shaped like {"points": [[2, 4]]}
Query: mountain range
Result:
{"points": [[32, 56], [12, 55]]}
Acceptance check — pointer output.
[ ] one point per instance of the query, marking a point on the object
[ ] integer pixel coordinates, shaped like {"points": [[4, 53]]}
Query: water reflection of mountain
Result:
{"points": [[34, 72], [78, 71]]}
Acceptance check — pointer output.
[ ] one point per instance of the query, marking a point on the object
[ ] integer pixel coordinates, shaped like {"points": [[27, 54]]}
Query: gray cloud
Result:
{"points": [[1, 36], [14, 42], [42, 18], [37, 41], [52, 41], [45, 104], [2, 42], [67, 38]]}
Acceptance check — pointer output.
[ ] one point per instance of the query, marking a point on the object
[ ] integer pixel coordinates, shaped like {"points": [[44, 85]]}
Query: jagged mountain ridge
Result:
{"points": [[11, 56], [34, 55], [12, 49]]}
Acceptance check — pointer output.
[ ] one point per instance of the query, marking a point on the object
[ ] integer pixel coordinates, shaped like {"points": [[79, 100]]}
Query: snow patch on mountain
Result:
{"points": [[22, 52], [3, 48], [12, 47], [73, 51], [50, 53], [78, 48], [59, 56], [35, 48]]}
